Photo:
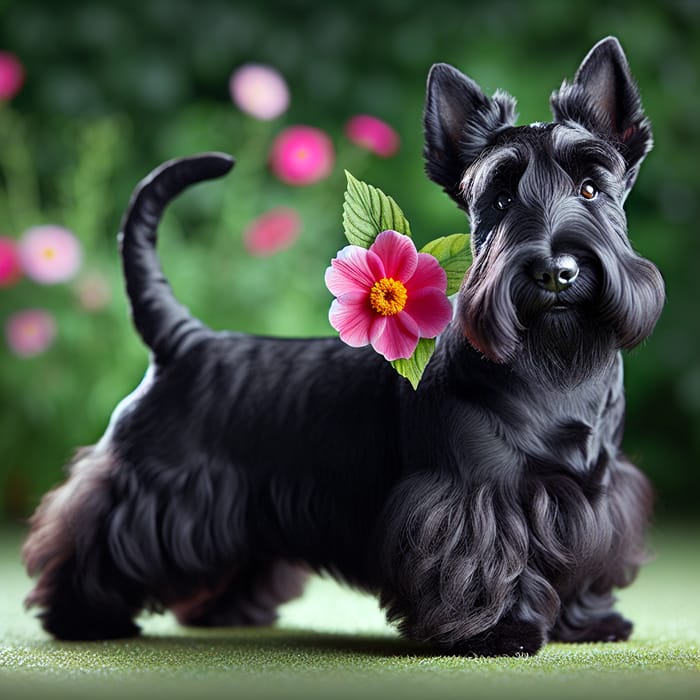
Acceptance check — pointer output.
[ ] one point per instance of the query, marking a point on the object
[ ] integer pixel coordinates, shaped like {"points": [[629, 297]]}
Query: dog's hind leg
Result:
{"points": [[250, 597], [80, 591]]}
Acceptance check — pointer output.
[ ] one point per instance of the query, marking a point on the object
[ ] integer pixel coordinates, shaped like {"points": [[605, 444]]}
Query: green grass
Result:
{"points": [[334, 643]]}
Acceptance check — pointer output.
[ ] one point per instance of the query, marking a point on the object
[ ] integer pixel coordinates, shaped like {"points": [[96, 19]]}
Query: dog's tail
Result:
{"points": [[165, 325]]}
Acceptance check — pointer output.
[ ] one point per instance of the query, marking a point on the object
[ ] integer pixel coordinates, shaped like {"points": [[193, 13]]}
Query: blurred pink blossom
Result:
{"points": [[50, 254], [94, 292], [259, 90], [10, 267], [273, 231], [373, 134], [301, 155], [11, 75], [30, 332]]}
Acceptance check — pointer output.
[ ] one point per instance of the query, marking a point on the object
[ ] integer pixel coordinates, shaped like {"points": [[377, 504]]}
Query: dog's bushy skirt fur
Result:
{"points": [[490, 510]]}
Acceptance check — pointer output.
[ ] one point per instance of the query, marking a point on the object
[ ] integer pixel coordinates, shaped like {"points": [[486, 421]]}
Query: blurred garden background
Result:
{"points": [[94, 94]]}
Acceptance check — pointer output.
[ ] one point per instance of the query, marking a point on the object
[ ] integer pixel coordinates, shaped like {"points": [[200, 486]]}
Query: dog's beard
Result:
{"points": [[558, 343], [613, 305], [563, 348]]}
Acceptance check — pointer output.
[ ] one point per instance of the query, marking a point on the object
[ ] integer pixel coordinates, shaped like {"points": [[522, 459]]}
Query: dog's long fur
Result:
{"points": [[490, 510]]}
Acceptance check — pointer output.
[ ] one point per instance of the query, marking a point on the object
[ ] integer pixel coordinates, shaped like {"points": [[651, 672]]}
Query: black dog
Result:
{"points": [[491, 510]]}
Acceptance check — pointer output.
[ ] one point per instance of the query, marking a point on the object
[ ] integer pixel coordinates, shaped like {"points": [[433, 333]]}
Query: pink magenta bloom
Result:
{"points": [[50, 254], [259, 91], [11, 75], [301, 155], [273, 231], [388, 296], [30, 332], [10, 267], [373, 134]]}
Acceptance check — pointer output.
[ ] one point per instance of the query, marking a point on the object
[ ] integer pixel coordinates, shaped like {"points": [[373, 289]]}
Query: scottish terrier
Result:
{"points": [[490, 511]]}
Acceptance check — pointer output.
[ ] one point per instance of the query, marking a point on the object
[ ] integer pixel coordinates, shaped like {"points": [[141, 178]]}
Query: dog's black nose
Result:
{"points": [[555, 274]]}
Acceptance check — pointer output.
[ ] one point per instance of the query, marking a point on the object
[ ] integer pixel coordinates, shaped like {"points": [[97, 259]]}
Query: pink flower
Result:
{"points": [[10, 268], [93, 291], [301, 155], [11, 75], [50, 254], [275, 230], [373, 134], [30, 332], [259, 90], [388, 296]]}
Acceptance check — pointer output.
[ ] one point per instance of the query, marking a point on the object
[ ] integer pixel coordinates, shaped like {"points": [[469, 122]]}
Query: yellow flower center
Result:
{"points": [[388, 296]]}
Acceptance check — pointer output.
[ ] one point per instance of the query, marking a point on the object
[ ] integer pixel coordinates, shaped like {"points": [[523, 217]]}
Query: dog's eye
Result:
{"points": [[588, 190], [503, 201]]}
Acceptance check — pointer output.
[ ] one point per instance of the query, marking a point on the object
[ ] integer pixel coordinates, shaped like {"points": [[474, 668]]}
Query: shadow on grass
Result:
{"points": [[241, 641], [307, 640]]}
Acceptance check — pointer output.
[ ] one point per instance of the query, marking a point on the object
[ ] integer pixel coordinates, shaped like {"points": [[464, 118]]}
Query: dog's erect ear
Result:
{"points": [[605, 100], [460, 122]]}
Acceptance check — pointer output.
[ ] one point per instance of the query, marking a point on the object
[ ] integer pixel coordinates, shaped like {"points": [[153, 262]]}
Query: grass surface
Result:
{"points": [[334, 643]]}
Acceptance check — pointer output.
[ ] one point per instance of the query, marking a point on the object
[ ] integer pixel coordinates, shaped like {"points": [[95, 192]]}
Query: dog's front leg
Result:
{"points": [[590, 618], [509, 637], [587, 613], [456, 570]]}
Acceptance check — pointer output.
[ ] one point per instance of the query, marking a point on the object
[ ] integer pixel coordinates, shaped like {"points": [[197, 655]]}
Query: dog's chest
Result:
{"points": [[509, 431]]}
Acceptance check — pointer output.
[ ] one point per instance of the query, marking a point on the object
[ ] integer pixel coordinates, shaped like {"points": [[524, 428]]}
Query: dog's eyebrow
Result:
{"points": [[571, 146], [480, 174]]}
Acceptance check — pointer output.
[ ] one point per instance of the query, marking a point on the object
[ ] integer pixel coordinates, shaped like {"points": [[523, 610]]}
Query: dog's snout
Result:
{"points": [[556, 274]]}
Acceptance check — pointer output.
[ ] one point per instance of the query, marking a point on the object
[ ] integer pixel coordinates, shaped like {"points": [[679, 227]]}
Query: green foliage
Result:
{"points": [[112, 89], [413, 367], [367, 212], [19, 198], [454, 255]]}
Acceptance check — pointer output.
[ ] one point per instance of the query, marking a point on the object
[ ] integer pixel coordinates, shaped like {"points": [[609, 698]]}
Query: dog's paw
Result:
{"points": [[87, 628], [505, 639], [223, 617], [611, 628]]}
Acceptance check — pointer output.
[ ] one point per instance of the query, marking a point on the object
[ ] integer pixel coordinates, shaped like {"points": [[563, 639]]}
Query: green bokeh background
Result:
{"points": [[114, 88]]}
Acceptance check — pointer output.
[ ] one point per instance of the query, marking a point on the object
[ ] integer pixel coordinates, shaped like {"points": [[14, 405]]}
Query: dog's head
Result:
{"points": [[555, 285]]}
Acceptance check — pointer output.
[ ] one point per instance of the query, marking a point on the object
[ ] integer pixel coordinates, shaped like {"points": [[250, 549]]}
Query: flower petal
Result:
{"points": [[398, 338], [259, 90], [373, 134], [397, 253], [430, 309], [428, 273], [50, 254], [30, 332], [353, 270], [377, 328], [352, 318], [11, 75], [301, 155], [272, 231]]}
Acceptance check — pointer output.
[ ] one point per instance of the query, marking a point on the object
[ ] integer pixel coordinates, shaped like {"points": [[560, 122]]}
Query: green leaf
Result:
{"points": [[367, 212], [413, 367], [454, 255]]}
